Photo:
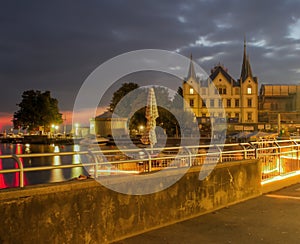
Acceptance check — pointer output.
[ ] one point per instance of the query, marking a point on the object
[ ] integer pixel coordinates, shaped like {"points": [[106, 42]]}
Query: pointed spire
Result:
{"points": [[249, 67], [191, 73], [246, 67]]}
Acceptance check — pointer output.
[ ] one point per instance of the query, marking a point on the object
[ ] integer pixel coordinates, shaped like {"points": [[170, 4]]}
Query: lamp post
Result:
{"points": [[76, 130], [54, 129]]}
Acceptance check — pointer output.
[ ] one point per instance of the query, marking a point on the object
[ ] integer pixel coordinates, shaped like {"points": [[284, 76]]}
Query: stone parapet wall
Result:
{"points": [[86, 212]]}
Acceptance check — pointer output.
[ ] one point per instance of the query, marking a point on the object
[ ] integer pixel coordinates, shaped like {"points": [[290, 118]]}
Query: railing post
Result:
{"points": [[256, 153], [278, 157], [298, 147], [21, 172], [190, 156], [95, 163], [245, 151], [221, 154], [149, 160]]}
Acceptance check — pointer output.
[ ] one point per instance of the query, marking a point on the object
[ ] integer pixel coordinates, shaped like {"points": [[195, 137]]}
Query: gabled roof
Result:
{"points": [[220, 69]]}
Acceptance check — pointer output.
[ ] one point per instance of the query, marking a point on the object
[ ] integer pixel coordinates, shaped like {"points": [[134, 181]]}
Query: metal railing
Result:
{"points": [[277, 158]]}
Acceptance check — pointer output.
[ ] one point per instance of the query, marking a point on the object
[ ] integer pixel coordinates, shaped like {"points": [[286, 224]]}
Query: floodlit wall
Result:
{"points": [[86, 212]]}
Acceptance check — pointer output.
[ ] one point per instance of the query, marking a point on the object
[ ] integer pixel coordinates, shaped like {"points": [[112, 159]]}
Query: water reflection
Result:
{"points": [[40, 177], [2, 179], [16, 180], [75, 172], [56, 174]]}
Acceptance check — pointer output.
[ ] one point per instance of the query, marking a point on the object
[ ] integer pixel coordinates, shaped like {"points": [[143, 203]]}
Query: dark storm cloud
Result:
{"points": [[55, 45]]}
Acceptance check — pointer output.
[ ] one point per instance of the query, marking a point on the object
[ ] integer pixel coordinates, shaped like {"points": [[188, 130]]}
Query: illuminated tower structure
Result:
{"points": [[209, 99]]}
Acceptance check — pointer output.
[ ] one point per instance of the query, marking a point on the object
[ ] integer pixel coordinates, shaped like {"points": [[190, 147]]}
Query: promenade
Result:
{"points": [[270, 218]]}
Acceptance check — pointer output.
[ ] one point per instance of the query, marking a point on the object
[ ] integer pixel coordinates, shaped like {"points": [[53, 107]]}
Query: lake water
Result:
{"points": [[39, 177]]}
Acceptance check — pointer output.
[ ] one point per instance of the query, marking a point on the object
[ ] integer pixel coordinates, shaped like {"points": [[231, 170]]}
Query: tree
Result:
{"points": [[37, 109], [120, 93]]}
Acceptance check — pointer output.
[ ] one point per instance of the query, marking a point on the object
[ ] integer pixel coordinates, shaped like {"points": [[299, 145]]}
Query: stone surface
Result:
{"points": [[86, 212]]}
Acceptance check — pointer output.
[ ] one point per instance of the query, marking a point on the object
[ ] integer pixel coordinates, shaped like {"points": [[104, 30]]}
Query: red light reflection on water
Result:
{"points": [[2, 179]]}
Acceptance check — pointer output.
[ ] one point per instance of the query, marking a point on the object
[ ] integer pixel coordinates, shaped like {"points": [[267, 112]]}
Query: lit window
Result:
{"points": [[249, 90], [191, 90]]}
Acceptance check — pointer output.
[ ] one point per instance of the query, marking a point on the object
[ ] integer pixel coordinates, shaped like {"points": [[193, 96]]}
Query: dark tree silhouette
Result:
{"points": [[120, 93], [37, 109]]}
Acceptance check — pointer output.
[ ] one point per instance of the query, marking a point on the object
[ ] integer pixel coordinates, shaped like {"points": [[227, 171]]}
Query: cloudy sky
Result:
{"points": [[54, 45]]}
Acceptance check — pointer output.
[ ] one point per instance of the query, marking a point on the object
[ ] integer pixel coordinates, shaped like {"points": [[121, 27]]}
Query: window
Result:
{"points": [[220, 90], [249, 103], [237, 103], [203, 103], [191, 90], [237, 91], [220, 114], [212, 103], [249, 116], [228, 103], [224, 90], [191, 102], [249, 90], [220, 103], [237, 115]]}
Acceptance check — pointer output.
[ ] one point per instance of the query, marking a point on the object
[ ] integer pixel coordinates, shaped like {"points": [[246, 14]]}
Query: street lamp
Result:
{"points": [[141, 128], [54, 128]]}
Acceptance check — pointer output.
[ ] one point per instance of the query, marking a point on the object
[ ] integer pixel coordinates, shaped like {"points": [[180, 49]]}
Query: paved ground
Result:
{"points": [[271, 218]]}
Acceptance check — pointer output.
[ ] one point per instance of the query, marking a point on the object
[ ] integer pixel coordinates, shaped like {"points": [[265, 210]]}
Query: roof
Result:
{"points": [[191, 73], [220, 69], [246, 67], [106, 115]]}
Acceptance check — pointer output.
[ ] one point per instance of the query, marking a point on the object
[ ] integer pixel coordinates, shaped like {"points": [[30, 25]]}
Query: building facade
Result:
{"points": [[283, 100], [221, 97], [103, 125]]}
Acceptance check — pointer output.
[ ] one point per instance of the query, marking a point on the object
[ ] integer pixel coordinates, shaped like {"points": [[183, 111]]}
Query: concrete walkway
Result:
{"points": [[271, 218]]}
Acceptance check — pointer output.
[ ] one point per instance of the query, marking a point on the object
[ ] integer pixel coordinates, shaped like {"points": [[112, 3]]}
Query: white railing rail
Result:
{"points": [[277, 157]]}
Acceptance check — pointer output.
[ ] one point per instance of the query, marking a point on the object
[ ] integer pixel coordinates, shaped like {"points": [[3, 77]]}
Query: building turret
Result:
{"points": [[191, 73], [246, 67]]}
